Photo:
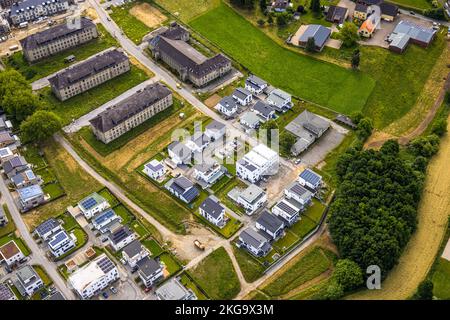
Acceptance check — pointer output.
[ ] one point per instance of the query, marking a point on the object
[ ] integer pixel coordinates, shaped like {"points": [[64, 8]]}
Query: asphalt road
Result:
{"points": [[38, 255]]}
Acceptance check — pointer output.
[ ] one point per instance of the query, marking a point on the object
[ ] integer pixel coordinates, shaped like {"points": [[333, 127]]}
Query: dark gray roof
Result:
{"points": [[228, 103], [60, 31], [336, 14], [247, 165], [134, 248], [56, 296], [309, 121], [5, 292], [361, 7], [179, 53], [263, 108], [318, 32], [310, 176], [11, 164], [345, 120], [253, 238], [120, 234], [215, 125], [47, 226], [183, 182], [241, 93], [370, 2], [148, 266], [130, 106], [175, 32], [269, 221], [212, 207], [389, 9], [87, 68], [255, 81], [27, 5]]}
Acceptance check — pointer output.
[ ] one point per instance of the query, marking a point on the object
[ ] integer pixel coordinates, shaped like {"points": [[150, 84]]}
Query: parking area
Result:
{"points": [[122, 290]]}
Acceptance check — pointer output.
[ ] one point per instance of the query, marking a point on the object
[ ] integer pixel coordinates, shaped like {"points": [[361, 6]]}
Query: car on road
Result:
{"points": [[105, 295], [412, 13], [113, 290], [10, 283], [298, 161], [109, 19], [146, 290], [104, 239]]}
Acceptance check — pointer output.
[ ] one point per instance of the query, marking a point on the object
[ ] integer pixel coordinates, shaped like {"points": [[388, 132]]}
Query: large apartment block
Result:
{"points": [[59, 38], [131, 112], [30, 10], [5, 4], [171, 47], [89, 73]]}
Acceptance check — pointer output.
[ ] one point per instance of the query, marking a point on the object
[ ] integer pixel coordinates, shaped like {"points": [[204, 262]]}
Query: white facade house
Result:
{"points": [[254, 242], [213, 211], [280, 100], [183, 189], [252, 198], [121, 237], [90, 279], [92, 205], [28, 281], [198, 142], [250, 120], [310, 179], [173, 290], [255, 85], [10, 253], [288, 209], [215, 130], [154, 169], [150, 271], [264, 111], [102, 220], [47, 228], [300, 194], [270, 224], [61, 243], [208, 173], [5, 154], [242, 96], [227, 106], [260, 161], [134, 252], [179, 152]]}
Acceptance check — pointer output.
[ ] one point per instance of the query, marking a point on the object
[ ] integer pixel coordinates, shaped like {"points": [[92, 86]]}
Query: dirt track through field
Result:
{"points": [[420, 252], [149, 15]]}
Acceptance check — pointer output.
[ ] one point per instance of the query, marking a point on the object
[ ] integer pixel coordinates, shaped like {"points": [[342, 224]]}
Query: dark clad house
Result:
{"points": [[171, 47], [89, 73], [131, 112], [319, 33], [337, 14], [59, 38]]}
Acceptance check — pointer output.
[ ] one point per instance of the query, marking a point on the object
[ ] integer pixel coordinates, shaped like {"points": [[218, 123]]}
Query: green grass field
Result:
{"points": [[250, 267], [83, 103], [54, 63], [441, 278], [133, 28], [324, 83], [10, 227], [43, 275], [413, 4], [190, 284], [187, 10], [215, 274]]}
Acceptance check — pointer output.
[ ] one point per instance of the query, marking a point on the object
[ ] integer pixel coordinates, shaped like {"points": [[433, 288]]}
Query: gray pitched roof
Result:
{"points": [[215, 125], [148, 266], [318, 32], [87, 68], [130, 106], [228, 103], [300, 191], [60, 31], [241, 93], [253, 238], [389, 9], [336, 14], [212, 207], [361, 7], [309, 121], [133, 249], [263, 108], [11, 164], [28, 5], [269, 221], [415, 31]]}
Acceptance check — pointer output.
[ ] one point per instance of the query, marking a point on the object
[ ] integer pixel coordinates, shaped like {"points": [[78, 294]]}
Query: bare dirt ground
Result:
{"points": [[421, 250], [213, 100], [149, 15]]}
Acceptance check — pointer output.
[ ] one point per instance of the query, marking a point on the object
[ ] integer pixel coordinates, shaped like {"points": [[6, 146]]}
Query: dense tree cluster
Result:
{"points": [[40, 126], [246, 4], [374, 212], [349, 34], [287, 140]]}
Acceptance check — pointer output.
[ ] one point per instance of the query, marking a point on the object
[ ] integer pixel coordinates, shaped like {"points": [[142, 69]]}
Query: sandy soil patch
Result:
{"points": [[149, 15], [377, 139], [446, 253], [91, 13], [421, 250], [213, 100]]}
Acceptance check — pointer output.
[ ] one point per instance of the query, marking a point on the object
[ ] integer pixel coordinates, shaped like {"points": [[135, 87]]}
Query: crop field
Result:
{"points": [[187, 10], [324, 83], [147, 14], [419, 254]]}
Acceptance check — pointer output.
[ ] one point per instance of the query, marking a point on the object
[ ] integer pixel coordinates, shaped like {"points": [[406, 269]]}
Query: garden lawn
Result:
{"points": [[87, 101], [43, 275], [250, 267], [190, 284], [308, 267], [216, 275], [10, 226], [133, 28], [329, 85], [124, 213], [139, 229], [55, 63], [112, 200], [153, 246], [172, 266], [413, 4], [441, 280]]}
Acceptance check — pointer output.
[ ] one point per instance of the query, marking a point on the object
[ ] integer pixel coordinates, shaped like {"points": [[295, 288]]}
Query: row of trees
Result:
{"points": [[23, 106]]}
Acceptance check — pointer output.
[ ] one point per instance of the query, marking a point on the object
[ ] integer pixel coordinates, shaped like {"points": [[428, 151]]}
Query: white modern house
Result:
{"points": [[227, 106], [280, 100], [47, 228], [208, 173], [250, 120], [120, 238], [90, 279], [174, 290], [179, 152], [242, 96], [255, 84], [213, 211], [198, 142], [10, 253], [103, 220], [60, 243], [310, 179], [254, 242], [150, 271], [183, 189], [134, 252], [28, 281], [300, 194], [270, 224], [260, 161], [154, 169], [92, 205], [287, 209], [252, 198], [215, 130]]}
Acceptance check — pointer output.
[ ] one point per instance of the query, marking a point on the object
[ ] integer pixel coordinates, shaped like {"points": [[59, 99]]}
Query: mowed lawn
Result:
{"points": [[130, 25], [441, 279], [187, 10], [329, 85], [417, 4]]}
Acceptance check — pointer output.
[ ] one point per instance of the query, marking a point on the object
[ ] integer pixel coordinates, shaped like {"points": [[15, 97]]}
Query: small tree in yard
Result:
{"points": [[300, 9], [356, 59], [315, 6], [282, 20], [287, 140], [40, 126], [310, 45], [349, 34], [425, 290], [261, 22], [270, 20]]}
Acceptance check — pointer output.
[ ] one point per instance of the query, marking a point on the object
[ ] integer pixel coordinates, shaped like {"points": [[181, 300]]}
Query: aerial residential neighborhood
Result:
{"points": [[224, 150]]}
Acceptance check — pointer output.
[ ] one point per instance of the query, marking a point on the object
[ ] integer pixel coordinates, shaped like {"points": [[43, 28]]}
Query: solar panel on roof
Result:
{"points": [[58, 238], [89, 203], [288, 209], [104, 216], [310, 176], [105, 264], [191, 194]]}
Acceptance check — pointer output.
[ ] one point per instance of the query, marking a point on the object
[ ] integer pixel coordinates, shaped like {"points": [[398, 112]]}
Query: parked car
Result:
{"points": [[113, 290], [412, 13], [147, 289], [105, 295], [298, 161]]}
